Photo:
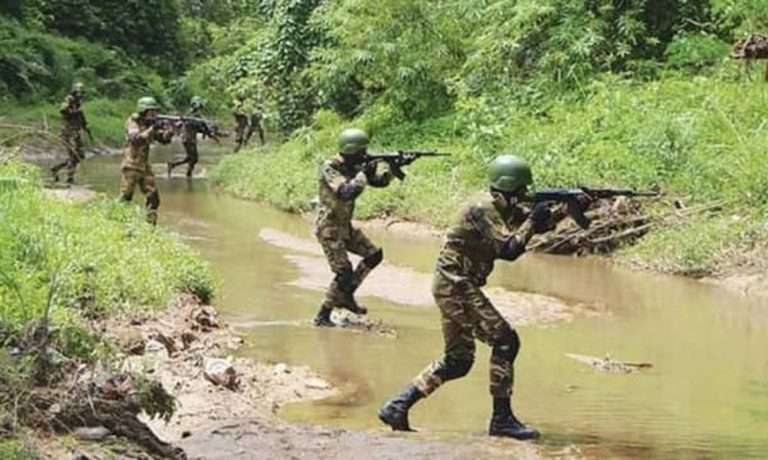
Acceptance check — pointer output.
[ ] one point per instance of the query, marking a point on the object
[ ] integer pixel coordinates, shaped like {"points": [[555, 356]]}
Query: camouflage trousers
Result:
{"points": [[336, 247], [73, 142], [241, 122], [467, 314], [145, 180], [191, 157]]}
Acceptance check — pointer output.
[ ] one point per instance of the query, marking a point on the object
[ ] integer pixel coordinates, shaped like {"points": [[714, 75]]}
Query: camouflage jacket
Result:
{"points": [[340, 185], [478, 239], [138, 137], [189, 130], [72, 116]]}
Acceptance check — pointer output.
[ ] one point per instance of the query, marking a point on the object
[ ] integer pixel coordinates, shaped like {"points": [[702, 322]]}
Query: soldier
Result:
{"points": [[72, 123], [498, 228], [140, 131], [342, 180], [255, 125], [189, 138], [242, 122]]}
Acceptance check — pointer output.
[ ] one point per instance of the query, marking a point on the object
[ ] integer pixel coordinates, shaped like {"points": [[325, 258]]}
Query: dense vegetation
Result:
{"points": [[82, 262], [597, 92], [634, 94]]}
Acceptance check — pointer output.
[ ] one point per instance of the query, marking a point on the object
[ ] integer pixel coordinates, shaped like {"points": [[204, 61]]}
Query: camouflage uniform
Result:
{"points": [[340, 184], [136, 169], [465, 261], [242, 124], [189, 141], [72, 123], [255, 125]]}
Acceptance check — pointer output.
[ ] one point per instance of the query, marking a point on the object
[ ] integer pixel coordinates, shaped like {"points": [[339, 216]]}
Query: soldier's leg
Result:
{"points": [[148, 187], [336, 253], [128, 181], [457, 359], [192, 157], [76, 155], [66, 140], [493, 329], [372, 256]]}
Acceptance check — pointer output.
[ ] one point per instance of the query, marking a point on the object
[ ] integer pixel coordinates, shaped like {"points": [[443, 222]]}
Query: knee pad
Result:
{"points": [[374, 259], [455, 367], [153, 200], [507, 344]]}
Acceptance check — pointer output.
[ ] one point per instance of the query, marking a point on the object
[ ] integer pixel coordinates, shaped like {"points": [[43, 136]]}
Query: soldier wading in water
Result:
{"points": [[498, 228], [140, 132], [342, 180]]}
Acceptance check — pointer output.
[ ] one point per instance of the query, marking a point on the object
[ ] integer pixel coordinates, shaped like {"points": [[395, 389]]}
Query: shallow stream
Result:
{"points": [[705, 397]]}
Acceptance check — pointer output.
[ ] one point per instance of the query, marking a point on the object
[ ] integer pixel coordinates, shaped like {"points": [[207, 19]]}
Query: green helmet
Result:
{"points": [[78, 88], [197, 101], [352, 141], [508, 173], [147, 103]]}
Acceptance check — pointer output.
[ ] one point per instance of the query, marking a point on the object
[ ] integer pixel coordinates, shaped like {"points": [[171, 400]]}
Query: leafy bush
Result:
{"points": [[98, 259]]}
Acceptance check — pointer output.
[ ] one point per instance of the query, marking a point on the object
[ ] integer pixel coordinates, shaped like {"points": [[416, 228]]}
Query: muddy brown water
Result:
{"points": [[705, 397]]}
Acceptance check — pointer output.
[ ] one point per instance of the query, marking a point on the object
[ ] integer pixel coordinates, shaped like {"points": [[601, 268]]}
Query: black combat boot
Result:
{"points": [[323, 318], [395, 411], [505, 424]]}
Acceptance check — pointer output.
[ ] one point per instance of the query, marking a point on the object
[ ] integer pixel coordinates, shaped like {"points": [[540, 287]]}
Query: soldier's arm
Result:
{"points": [[378, 179], [136, 135], [344, 188], [508, 245]]}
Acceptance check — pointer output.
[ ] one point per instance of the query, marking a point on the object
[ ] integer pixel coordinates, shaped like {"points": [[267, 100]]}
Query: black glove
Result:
{"points": [[541, 218]]}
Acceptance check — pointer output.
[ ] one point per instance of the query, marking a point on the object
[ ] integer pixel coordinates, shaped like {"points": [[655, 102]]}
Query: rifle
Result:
{"points": [[202, 125], [402, 158], [569, 196]]}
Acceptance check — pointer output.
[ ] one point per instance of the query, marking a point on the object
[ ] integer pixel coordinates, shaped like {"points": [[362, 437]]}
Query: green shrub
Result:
{"points": [[97, 259]]}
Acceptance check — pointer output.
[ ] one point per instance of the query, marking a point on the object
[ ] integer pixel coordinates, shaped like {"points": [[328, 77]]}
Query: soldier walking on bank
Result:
{"points": [[189, 133], [342, 180], [72, 123], [241, 122], [140, 132], [498, 228]]}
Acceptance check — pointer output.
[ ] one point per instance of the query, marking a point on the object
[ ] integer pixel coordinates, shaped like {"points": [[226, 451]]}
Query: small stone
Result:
{"points": [[282, 368], [157, 349], [95, 433], [187, 338], [220, 372]]}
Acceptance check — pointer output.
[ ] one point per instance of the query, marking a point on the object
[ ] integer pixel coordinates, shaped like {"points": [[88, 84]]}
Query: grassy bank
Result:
{"points": [[106, 119], [73, 264], [701, 139]]}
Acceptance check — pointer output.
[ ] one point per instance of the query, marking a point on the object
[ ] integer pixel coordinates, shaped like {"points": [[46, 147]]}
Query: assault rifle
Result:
{"points": [[569, 196], [208, 128], [401, 158]]}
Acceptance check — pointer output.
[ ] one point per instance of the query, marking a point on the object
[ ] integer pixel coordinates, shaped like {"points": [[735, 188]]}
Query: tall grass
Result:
{"points": [[100, 259], [701, 139]]}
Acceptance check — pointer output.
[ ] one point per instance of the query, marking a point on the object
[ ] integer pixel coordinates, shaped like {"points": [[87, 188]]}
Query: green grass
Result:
{"points": [[16, 450], [701, 139], [98, 259], [106, 118]]}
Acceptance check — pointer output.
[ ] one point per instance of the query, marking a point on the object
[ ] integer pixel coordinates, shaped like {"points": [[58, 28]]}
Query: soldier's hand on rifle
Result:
{"points": [[541, 218], [584, 201]]}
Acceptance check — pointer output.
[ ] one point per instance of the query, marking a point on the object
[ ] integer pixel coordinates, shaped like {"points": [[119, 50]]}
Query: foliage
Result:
{"points": [[16, 450], [36, 65], [106, 258], [699, 139]]}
